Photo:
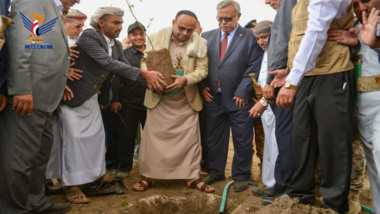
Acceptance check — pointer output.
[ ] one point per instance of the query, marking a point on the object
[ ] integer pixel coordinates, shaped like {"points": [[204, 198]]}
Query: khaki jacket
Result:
{"points": [[194, 61]]}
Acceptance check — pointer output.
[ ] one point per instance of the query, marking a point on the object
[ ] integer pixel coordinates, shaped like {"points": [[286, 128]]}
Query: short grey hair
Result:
{"points": [[225, 3]]}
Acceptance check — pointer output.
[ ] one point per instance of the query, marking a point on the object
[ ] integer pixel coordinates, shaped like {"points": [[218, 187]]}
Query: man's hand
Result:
{"points": [[285, 98], [369, 28], [279, 77], [115, 107], [74, 53], [154, 79], [206, 95], [74, 73], [241, 102], [257, 110], [268, 92], [344, 37], [179, 83], [3, 101], [67, 94], [23, 104]]}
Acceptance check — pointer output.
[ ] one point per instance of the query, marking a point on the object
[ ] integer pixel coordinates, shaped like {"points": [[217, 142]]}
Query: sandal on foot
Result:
{"points": [[73, 193], [204, 188], [143, 185]]}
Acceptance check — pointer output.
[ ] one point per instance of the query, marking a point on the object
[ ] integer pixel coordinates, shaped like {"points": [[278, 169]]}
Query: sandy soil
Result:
{"points": [[174, 196]]}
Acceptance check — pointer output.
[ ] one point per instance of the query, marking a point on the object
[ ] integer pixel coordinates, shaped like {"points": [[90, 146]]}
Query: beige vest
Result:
{"points": [[334, 57]]}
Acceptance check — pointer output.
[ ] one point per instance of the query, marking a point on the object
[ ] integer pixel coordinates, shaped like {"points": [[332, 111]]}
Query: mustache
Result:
{"points": [[224, 25]]}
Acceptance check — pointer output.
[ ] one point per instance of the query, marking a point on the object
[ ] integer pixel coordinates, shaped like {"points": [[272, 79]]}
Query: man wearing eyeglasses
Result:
{"points": [[233, 54]]}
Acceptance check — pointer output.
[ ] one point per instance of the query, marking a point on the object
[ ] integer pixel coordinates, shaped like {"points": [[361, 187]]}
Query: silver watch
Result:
{"points": [[263, 103]]}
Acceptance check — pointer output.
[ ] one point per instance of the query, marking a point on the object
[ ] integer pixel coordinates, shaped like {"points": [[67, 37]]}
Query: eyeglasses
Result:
{"points": [[226, 19], [78, 26], [190, 31]]}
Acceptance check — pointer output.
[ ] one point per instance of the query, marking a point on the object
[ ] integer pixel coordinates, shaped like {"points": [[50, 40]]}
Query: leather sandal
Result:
{"points": [[73, 193], [143, 185], [204, 188]]}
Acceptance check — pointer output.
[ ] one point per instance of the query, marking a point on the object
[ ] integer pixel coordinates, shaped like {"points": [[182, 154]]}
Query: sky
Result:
{"points": [[160, 13]]}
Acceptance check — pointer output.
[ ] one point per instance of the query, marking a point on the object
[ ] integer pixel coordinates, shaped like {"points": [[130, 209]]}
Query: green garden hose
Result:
{"points": [[225, 191], [366, 208]]}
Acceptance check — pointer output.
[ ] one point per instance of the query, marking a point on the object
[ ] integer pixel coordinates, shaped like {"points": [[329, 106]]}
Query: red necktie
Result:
{"points": [[223, 48]]}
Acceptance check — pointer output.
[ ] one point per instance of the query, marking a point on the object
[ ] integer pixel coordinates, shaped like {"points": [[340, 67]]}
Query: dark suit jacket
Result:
{"points": [[130, 93], [4, 54], [243, 56], [279, 38], [95, 61]]}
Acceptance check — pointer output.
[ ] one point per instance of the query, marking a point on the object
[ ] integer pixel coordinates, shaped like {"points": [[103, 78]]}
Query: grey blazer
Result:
{"points": [[243, 56], [279, 38], [41, 72], [95, 61]]}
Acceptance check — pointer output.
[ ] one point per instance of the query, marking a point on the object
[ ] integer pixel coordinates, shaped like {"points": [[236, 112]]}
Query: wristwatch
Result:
{"points": [[289, 85], [263, 103]]}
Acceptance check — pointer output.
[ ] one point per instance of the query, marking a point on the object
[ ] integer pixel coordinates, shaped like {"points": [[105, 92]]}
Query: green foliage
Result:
{"points": [[186, 191], [124, 203]]}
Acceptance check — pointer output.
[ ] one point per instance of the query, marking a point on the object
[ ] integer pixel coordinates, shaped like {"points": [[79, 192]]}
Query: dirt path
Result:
{"points": [[174, 196]]}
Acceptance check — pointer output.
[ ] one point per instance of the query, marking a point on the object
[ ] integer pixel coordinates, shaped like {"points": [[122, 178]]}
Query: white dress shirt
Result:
{"points": [[110, 44], [229, 37], [321, 14], [71, 41]]}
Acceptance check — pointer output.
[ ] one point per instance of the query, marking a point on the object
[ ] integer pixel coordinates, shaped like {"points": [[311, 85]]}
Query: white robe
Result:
{"points": [[83, 147], [269, 125], [53, 169], [83, 157]]}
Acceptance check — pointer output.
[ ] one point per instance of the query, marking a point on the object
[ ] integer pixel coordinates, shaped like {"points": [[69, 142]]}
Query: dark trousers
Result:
{"points": [[127, 132], [218, 122], [284, 167], [25, 144], [323, 127], [111, 126]]}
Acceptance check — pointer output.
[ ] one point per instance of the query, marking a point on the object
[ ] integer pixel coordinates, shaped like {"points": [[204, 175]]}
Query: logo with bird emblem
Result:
{"points": [[37, 26]]}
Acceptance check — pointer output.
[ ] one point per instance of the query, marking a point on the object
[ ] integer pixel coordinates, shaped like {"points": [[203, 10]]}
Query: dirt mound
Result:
{"points": [[157, 204], [291, 206], [173, 196]]}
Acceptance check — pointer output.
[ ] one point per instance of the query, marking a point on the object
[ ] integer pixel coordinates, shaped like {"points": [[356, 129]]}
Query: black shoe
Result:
{"points": [[270, 200], [210, 180], [265, 193], [307, 200], [57, 209], [50, 189], [267, 200], [240, 186]]}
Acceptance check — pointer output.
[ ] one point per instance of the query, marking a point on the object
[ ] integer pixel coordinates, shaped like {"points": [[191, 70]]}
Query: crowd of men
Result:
{"points": [[303, 87]]}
